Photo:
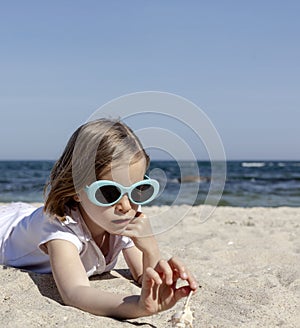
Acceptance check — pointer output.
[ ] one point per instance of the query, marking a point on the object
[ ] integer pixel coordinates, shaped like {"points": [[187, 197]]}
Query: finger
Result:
{"points": [[141, 227], [166, 271], [151, 276], [128, 233], [139, 214], [137, 222], [182, 292], [177, 265], [135, 225], [133, 231], [176, 275], [184, 274]]}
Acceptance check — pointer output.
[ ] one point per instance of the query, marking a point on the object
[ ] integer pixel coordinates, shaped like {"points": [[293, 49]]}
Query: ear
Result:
{"points": [[76, 198]]}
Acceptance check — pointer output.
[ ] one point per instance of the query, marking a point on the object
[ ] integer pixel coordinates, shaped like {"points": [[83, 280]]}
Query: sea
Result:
{"points": [[247, 183]]}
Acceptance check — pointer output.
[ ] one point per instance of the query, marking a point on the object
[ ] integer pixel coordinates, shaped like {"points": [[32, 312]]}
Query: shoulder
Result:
{"points": [[68, 229]]}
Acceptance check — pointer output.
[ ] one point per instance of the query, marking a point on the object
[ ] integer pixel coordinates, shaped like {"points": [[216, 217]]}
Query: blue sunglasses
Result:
{"points": [[107, 192]]}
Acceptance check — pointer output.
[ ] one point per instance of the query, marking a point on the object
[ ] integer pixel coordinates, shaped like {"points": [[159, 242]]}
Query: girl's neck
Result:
{"points": [[102, 241]]}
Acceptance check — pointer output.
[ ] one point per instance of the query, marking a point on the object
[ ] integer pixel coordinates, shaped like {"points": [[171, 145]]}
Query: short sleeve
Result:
{"points": [[127, 242], [54, 229]]}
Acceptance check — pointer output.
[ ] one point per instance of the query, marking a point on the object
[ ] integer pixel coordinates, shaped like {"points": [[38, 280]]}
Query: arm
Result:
{"points": [[75, 290], [146, 251], [159, 277], [158, 292], [139, 261]]}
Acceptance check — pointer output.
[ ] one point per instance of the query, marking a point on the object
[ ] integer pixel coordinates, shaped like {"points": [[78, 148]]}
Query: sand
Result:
{"points": [[247, 262]]}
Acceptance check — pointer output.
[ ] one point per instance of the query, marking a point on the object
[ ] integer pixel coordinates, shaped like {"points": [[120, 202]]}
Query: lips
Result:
{"points": [[122, 221]]}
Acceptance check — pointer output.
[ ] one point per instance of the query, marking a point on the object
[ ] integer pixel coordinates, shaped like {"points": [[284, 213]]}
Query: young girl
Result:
{"points": [[92, 213]]}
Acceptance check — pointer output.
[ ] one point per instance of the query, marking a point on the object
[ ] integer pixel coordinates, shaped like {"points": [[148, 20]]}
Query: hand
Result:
{"points": [[159, 291], [140, 231]]}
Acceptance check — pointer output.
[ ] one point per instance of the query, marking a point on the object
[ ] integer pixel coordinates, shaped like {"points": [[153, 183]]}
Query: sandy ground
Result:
{"points": [[246, 260]]}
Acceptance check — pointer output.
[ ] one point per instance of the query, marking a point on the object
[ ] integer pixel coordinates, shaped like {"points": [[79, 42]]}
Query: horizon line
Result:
{"points": [[168, 160]]}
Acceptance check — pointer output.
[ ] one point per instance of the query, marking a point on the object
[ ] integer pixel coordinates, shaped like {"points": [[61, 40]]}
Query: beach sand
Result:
{"points": [[247, 262]]}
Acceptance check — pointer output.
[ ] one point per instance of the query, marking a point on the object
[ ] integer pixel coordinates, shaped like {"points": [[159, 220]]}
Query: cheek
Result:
{"points": [[91, 209], [85, 202], [97, 213]]}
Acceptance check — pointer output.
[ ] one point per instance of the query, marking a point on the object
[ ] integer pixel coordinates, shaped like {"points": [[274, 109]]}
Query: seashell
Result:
{"points": [[183, 318]]}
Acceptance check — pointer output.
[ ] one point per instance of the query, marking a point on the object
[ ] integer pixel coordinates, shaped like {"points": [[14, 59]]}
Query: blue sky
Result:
{"points": [[239, 61]]}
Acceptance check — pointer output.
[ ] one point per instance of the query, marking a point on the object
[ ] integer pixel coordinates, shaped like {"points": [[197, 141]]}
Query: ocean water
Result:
{"points": [[248, 183]]}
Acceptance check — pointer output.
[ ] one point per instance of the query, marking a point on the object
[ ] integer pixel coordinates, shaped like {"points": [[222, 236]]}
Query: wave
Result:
{"points": [[268, 179], [249, 182], [253, 164]]}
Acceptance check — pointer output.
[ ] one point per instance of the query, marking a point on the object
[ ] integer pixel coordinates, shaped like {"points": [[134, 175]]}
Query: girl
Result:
{"points": [[91, 214]]}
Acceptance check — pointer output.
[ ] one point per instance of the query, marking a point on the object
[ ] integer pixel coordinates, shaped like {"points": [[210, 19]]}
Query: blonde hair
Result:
{"points": [[89, 153]]}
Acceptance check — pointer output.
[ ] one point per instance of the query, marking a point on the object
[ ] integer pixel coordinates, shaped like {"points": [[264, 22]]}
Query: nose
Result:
{"points": [[124, 205]]}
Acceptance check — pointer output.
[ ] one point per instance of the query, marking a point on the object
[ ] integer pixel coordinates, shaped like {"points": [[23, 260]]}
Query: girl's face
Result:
{"points": [[113, 219]]}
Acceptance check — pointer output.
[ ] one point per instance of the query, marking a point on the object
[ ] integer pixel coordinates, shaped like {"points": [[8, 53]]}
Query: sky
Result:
{"points": [[238, 61]]}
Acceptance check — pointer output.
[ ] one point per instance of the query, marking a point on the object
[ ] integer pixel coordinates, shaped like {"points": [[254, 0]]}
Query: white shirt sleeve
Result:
{"points": [[127, 242], [54, 229]]}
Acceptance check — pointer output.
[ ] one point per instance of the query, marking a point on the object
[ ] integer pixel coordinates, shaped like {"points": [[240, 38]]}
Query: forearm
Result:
{"points": [[150, 259], [151, 256], [105, 304]]}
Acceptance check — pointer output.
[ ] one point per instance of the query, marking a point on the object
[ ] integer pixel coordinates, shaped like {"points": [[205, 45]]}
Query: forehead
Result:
{"points": [[126, 174]]}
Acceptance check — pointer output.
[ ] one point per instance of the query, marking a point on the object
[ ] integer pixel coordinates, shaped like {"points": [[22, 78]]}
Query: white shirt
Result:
{"points": [[24, 230]]}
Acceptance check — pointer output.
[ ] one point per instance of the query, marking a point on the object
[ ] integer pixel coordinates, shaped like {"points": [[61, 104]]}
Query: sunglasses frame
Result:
{"points": [[92, 189]]}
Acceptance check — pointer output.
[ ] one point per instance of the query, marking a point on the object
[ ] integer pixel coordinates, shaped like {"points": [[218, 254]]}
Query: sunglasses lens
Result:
{"points": [[142, 193], [107, 194]]}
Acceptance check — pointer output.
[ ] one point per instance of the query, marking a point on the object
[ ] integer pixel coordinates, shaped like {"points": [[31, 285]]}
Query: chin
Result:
{"points": [[115, 231]]}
